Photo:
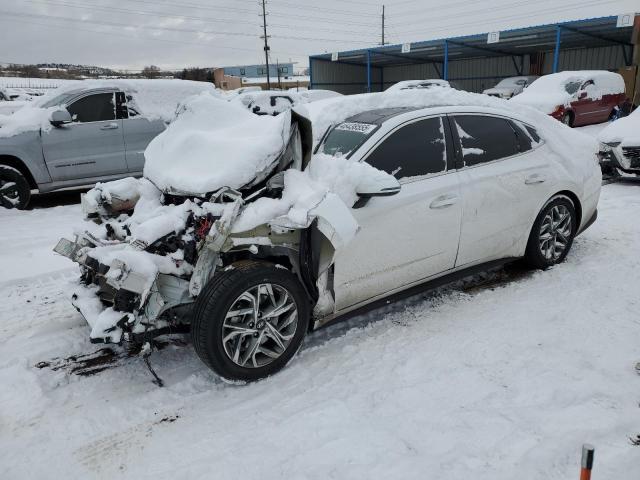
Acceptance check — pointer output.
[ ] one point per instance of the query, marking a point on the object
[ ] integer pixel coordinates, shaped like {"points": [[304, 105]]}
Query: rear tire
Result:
{"points": [[552, 233], [567, 119], [14, 188], [255, 342]]}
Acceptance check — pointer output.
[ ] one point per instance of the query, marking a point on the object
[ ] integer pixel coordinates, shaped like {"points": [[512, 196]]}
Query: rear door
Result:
{"points": [[410, 236], [504, 174], [91, 146], [138, 131]]}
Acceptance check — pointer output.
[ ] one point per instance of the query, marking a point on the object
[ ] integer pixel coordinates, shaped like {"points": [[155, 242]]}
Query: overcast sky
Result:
{"points": [[178, 33]]}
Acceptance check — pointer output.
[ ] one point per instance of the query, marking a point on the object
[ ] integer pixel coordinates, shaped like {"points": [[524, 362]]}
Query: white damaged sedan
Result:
{"points": [[404, 190]]}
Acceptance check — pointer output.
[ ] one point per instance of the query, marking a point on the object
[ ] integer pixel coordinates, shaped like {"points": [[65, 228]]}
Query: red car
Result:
{"points": [[577, 98]]}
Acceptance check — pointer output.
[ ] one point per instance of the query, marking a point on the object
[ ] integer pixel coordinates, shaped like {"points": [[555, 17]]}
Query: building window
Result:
{"points": [[262, 71], [243, 71]]}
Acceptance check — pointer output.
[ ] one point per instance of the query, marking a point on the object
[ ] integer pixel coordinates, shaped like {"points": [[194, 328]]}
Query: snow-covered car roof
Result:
{"points": [[416, 84], [550, 91], [514, 80], [155, 99], [625, 131]]}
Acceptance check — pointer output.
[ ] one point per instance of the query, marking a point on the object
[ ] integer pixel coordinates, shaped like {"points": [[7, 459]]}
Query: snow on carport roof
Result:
{"points": [[592, 32]]}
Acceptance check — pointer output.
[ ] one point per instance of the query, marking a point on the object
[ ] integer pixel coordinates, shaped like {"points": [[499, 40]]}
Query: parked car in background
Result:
{"points": [[10, 102], [419, 84], [510, 87], [577, 98], [620, 146], [87, 132], [250, 255], [269, 102], [274, 102]]}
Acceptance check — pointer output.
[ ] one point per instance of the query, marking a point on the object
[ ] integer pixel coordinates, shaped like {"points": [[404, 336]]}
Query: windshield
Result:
{"points": [[572, 87], [61, 99], [508, 82], [346, 138]]}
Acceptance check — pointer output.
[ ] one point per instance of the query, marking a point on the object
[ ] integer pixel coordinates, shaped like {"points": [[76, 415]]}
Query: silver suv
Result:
{"points": [[95, 134]]}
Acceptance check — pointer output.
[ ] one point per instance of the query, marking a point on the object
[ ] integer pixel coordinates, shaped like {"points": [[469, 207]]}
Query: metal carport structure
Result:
{"points": [[475, 64]]}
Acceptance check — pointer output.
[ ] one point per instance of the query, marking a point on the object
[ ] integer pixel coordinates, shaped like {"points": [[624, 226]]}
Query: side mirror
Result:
{"points": [[60, 117], [378, 186]]}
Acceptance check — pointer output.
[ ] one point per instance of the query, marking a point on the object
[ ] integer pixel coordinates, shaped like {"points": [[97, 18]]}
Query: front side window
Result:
{"points": [[346, 138], [484, 139], [93, 108], [414, 150]]}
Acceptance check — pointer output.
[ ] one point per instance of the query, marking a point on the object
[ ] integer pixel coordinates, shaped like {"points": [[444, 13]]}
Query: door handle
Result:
{"points": [[109, 126], [535, 178], [444, 201]]}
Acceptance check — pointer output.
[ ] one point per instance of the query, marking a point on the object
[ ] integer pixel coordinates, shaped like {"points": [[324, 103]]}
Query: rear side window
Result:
{"points": [[528, 137], [93, 108], [414, 150], [485, 138]]}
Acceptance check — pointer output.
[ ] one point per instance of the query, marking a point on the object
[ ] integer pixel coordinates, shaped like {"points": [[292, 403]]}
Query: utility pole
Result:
{"points": [[266, 42], [383, 25]]}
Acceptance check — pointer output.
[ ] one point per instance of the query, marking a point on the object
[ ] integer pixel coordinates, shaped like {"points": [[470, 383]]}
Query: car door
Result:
{"points": [[138, 131], [410, 236], [504, 174], [91, 146]]}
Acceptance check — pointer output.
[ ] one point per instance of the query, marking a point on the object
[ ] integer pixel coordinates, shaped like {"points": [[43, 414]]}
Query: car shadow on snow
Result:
{"points": [[55, 199]]}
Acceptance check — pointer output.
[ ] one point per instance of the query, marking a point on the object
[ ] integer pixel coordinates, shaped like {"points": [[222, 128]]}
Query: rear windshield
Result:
{"points": [[572, 87], [346, 138]]}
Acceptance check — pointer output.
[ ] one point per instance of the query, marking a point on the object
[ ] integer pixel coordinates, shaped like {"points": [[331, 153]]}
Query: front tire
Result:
{"points": [[567, 119], [552, 233], [14, 188], [250, 320]]}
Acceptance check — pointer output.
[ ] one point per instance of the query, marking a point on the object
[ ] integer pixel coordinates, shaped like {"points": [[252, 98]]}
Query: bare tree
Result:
{"points": [[151, 71]]}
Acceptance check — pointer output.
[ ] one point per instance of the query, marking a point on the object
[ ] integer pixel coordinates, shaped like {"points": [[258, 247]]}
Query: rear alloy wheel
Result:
{"points": [[14, 189], [250, 321], [567, 119], [552, 233]]}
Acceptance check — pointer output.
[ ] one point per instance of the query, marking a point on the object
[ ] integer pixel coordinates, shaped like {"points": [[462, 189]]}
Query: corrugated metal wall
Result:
{"points": [[603, 58], [478, 74], [341, 77], [474, 74]]}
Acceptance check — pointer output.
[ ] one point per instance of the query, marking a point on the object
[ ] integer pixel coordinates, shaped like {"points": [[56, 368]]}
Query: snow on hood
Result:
{"points": [[548, 92], [625, 130], [155, 99], [213, 144]]}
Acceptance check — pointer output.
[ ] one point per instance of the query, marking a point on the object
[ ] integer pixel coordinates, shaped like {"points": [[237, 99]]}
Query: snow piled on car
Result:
{"points": [[548, 92], [625, 130], [567, 143], [213, 144]]}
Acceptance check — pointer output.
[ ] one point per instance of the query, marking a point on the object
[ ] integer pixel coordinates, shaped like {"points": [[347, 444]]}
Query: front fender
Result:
{"points": [[27, 147]]}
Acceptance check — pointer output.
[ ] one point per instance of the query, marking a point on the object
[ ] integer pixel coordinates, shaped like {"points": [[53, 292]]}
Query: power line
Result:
{"points": [[168, 15], [173, 29], [511, 17]]}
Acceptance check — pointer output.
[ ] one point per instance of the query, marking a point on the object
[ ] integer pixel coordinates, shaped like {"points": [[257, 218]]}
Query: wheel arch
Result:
{"points": [[576, 203], [15, 162]]}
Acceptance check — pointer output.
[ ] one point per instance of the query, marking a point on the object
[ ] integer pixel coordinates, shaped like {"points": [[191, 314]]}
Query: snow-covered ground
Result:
{"points": [[502, 376]]}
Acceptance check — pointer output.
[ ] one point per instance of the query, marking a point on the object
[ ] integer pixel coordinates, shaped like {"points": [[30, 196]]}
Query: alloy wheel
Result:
{"points": [[9, 194], [260, 325], [555, 232]]}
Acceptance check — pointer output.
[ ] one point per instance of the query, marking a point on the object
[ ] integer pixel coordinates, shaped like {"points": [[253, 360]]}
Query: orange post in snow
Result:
{"points": [[587, 462]]}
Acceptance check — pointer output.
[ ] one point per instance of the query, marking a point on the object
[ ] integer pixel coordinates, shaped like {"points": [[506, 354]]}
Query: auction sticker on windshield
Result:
{"points": [[364, 128]]}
